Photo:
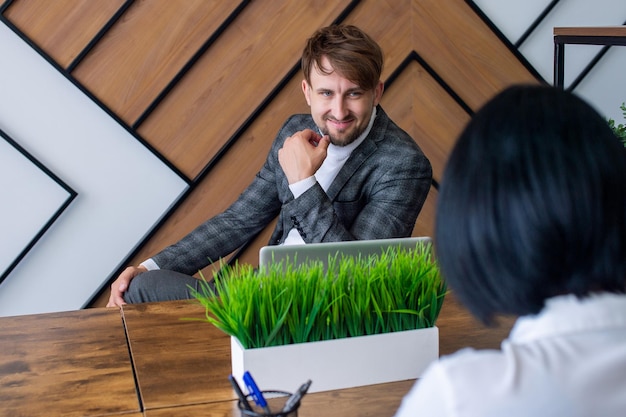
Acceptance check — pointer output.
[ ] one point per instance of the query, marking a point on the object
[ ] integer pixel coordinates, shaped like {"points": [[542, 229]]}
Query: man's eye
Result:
{"points": [[356, 94], [325, 93]]}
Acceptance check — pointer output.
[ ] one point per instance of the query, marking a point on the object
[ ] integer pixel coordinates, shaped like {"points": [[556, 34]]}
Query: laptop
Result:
{"points": [[298, 254]]}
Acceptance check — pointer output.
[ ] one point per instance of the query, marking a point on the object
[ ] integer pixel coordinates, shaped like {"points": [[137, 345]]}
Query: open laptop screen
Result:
{"points": [[298, 254]]}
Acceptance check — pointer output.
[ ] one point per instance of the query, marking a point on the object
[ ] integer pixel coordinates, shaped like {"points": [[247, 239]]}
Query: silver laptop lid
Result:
{"points": [[321, 251]]}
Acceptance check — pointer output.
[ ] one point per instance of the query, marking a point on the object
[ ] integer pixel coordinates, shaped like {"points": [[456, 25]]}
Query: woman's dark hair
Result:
{"points": [[532, 204], [350, 51]]}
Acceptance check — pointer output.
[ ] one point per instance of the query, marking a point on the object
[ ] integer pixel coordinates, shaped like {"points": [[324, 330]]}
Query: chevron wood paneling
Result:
{"points": [[145, 50], [207, 84], [463, 50]]}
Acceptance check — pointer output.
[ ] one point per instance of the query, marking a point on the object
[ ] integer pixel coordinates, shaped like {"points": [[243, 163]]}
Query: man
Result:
{"points": [[344, 172]]}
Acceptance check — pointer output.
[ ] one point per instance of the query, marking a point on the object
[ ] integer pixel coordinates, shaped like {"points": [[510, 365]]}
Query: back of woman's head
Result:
{"points": [[532, 204]]}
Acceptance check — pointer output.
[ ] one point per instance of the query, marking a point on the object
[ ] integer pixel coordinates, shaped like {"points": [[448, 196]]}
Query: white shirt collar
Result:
{"points": [[569, 314]]}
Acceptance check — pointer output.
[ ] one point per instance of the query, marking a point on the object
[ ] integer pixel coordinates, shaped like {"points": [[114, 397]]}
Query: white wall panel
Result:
{"points": [[604, 87], [25, 183], [512, 17], [123, 189]]}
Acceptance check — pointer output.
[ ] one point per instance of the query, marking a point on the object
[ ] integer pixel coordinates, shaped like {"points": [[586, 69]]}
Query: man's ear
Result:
{"points": [[378, 92], [306, 89]]}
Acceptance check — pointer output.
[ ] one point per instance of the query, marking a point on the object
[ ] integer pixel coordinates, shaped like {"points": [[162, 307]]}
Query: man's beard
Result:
{"points": [[342, 142]]}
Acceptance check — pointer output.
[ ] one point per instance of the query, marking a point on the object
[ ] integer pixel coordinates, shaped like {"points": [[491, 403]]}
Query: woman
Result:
{"points": [[531, 222]]}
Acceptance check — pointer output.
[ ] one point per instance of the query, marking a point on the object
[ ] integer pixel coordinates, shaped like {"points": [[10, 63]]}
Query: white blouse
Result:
{"points": [[569, 360]]}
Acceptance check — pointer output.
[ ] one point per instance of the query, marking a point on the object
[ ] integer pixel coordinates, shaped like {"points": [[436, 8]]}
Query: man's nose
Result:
{"points": [[339, 108]]}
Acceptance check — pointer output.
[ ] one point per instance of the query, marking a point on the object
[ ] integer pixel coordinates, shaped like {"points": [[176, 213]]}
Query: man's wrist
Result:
{"points": [[149, 265], [299, 188]]}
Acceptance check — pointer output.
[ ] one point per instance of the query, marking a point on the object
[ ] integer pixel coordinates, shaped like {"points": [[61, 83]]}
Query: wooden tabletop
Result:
{"points": [[81, 364], [65, 364], [185, 363], [373, 400], [590, 31], [178, 359], [608, 35], [458, 329]]}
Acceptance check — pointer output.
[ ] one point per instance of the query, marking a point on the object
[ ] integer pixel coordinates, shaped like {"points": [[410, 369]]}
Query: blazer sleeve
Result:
{"points": [[253, 210]]}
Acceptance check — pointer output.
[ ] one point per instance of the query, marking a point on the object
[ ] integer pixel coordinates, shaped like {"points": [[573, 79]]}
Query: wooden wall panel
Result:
{"points": [[63, 28], [390, 25], [141, 54], [463, 50], [217, 122], [420, 106]]}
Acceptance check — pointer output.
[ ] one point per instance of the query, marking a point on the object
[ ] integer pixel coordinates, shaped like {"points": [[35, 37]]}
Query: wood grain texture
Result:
{"points": [[62, 28], [458, 329], [425, 223], [381, 400], [590, 31], [177, 361], [432, 117], [65, 364], [78, 364], [389, 24], [139, 56], [464, 51]]}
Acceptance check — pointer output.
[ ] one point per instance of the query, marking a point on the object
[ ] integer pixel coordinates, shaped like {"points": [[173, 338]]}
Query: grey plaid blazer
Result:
{"points": [[377, 194]]}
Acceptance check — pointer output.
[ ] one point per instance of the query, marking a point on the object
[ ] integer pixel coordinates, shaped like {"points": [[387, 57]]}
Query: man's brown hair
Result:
{"points": [[350, 51]]}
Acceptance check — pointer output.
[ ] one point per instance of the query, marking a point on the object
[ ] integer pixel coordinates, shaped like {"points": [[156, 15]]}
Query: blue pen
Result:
{"points": [[256, 393]]}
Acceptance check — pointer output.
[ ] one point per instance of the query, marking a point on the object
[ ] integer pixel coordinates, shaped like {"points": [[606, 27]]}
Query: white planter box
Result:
{"points": [[340, 363]]}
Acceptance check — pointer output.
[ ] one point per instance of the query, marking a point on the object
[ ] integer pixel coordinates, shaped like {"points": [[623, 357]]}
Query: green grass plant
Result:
{"points": [[289, 302], [618, 128]]}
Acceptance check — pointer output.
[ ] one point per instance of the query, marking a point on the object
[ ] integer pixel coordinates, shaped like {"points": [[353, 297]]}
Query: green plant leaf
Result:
{"points": [[619, 129]]}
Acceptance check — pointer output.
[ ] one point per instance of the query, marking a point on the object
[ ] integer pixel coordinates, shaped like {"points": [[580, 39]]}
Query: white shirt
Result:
{"points": [[568, 361]]}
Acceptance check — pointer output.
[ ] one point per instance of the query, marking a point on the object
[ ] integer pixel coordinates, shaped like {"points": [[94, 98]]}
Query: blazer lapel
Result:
{"points": [[356, 159]]}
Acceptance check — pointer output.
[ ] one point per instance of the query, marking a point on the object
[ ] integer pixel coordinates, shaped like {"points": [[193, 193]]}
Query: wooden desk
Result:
{"points": [[177, 361], [459, 329], [79, 364], [607, 36], [374, 400], [66, 364], [182, 366]]}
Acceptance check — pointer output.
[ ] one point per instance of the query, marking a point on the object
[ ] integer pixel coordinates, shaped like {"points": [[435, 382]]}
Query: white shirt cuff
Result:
{"points": [[298, 188], [150, 265]]}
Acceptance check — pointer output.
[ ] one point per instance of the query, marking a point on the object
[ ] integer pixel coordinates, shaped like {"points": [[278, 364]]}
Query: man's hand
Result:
{"points": [[302, 154], [120, 285]]}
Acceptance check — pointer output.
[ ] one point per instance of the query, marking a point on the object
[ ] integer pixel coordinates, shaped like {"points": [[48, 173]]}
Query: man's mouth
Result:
{"points": [[340, 124]]}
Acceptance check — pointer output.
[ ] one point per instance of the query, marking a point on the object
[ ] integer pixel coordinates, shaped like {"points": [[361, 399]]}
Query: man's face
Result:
{"points": [[340, 108]]}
